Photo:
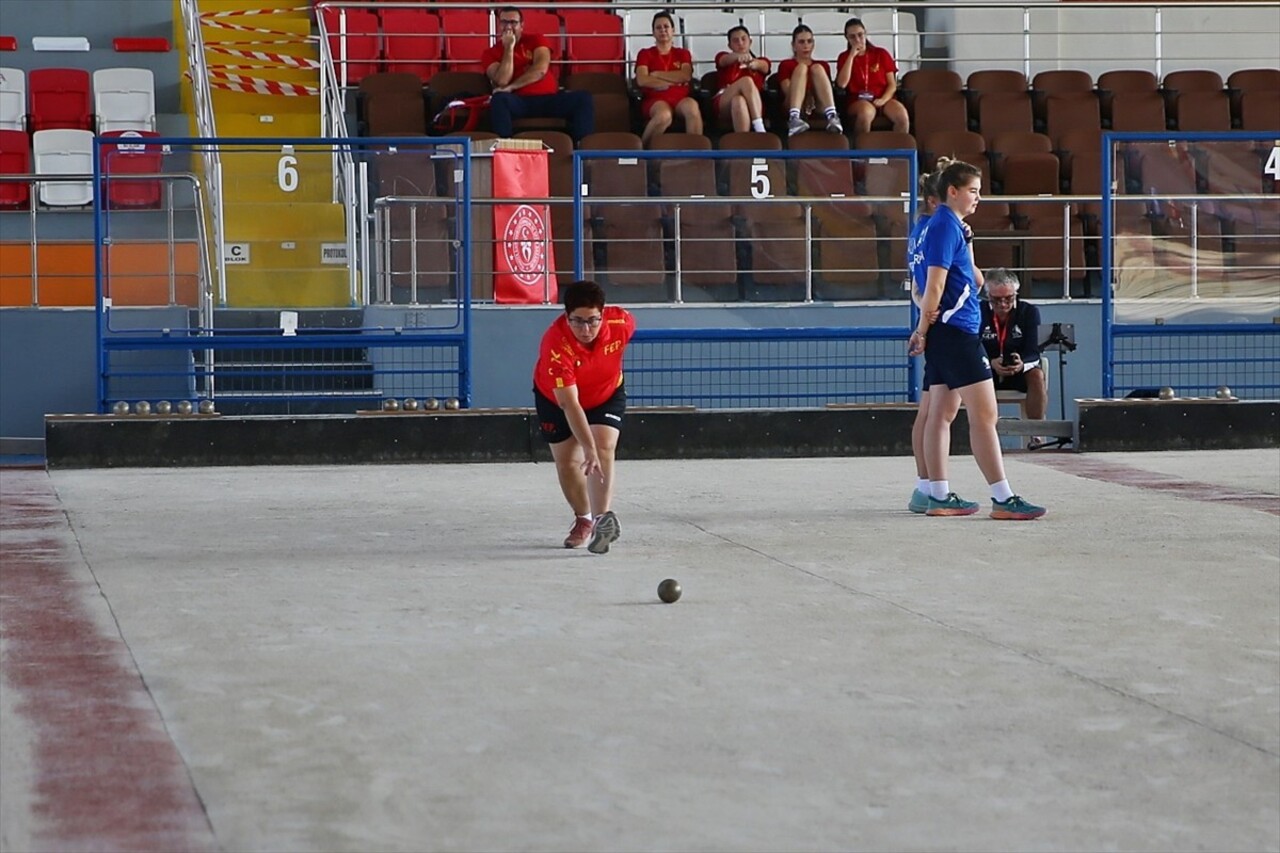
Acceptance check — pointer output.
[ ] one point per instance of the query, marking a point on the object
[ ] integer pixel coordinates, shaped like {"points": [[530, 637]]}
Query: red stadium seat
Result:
{"points": [[140, 45], [411, 42], [60, 99], [130, 155], [593, 41], [353, 42], [15, 159], [466, 37], [8, 42]]}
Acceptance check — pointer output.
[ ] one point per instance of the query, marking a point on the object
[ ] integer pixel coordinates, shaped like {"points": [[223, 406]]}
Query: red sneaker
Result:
{"points": [[579, 535]]}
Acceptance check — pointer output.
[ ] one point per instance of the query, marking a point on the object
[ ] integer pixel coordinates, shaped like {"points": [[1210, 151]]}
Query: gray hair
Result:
{"points": [[1001, 277]]}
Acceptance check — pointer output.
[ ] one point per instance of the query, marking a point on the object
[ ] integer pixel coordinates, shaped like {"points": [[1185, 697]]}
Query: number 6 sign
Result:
{"points": [[287, 173]]}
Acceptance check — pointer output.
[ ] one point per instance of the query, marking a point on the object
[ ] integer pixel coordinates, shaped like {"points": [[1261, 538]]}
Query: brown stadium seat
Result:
{"points": [[1070, 112], [1260, 110], [1203, 111], [981, 83], [1250, 80], [610, 96], [1058, 82], [936, 111], [920, 80], [626, 237], [989, 223], [999, 112], [708, 256], [964, 145], [1112, 83], [395, 114], [1138, 111], [1011, 142], [1177, 83]]}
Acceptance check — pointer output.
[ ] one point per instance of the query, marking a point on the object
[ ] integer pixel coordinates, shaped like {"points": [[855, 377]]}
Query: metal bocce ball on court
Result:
{"points": [[669, 591]]}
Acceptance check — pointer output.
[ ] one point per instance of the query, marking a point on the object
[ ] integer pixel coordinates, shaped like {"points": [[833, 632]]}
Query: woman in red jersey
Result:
{"points": [[581, 400], [870, 75], [663, 73], [806, 85], [740, 76]]}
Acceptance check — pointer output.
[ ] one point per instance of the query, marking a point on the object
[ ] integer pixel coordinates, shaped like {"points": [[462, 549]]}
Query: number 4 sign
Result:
{"points": [[1272, 167]]}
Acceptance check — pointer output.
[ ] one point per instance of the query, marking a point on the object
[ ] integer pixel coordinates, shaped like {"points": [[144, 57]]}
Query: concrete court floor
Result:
{"points": [[403, 658]]}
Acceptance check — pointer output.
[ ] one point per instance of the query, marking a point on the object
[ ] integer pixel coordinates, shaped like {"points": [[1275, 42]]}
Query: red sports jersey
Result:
{"points": [[788, 66], [673, 60], [597, 370], [727, 75], [521, 59], [870, 71]]}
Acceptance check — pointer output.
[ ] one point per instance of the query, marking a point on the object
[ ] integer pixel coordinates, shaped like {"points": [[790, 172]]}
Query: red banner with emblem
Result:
{"points": [[523, 264]]}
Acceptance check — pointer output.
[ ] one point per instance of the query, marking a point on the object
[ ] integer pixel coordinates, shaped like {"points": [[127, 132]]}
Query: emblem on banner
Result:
{"points": [[524, 242]]}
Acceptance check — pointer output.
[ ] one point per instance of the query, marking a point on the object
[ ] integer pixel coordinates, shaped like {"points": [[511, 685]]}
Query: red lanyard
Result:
{"points": [[1001, 333]]}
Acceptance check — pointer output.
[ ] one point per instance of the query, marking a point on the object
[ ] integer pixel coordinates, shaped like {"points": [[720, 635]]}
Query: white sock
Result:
{"points": [[757, 124], [922, 485], [829, 112], [793, 113], [939, 489], [586, 517], [1001, 491]]}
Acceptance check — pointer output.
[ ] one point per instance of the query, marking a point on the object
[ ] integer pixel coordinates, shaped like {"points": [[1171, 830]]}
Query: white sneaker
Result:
{"points": [[834, 125], [795, 125], [604, 533]]}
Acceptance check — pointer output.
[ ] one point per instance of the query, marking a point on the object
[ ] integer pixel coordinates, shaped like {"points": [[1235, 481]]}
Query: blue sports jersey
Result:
{"points": [[915, 259], [942, 245]]}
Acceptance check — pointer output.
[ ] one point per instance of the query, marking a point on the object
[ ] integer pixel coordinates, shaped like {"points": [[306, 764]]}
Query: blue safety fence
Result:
{"points": [[1195, 361], [769, 368], [310, 201]]}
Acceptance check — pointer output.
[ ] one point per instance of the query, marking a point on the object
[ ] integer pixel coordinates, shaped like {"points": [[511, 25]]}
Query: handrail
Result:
{"points": [[206, 126]]}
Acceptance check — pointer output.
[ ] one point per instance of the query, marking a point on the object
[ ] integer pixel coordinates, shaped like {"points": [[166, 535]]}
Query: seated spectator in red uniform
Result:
{"points": [[581, 400], [525, 83], [663, 73], [870, 76], [806, 85], [740, 76]]}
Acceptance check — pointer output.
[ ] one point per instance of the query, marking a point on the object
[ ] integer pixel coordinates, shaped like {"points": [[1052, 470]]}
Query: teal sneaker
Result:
{"points": [[1015, 509], [919, 502], [953, 504]]}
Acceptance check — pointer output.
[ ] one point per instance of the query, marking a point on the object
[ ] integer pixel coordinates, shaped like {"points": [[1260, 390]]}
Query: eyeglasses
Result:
{"points": [[584, 322], [1002, 299], [507, 22]]}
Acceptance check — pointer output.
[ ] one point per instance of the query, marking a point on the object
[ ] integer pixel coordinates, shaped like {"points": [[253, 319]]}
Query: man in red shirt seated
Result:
{"points": [[580, 400], [525, 84]]}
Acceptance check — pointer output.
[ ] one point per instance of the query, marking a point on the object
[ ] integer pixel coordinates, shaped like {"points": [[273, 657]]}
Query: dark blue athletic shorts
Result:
{"points": [[954, 358]]}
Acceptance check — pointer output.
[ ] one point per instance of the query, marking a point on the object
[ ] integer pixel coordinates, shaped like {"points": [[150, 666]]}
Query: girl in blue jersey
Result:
{"points": [[928, 194], [956, 369]]}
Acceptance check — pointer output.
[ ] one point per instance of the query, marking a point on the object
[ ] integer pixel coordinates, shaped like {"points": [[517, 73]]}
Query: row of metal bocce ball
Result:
{"points": [[164, 407], [431, 404]]}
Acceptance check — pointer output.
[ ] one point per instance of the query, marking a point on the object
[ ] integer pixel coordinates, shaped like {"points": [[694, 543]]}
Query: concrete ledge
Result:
{"points": [[1179, 424]]}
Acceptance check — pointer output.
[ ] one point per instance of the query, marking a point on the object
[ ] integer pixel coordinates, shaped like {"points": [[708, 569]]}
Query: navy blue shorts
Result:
{"points": [[954, 358], [553, 426]]}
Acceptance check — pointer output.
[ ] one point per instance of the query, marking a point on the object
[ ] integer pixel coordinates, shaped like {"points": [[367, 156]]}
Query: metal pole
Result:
{"points": [[413, 254], [808, 256], [353, 283], [1195, 250], [679, 252], [362, 217], [1066, 251], [168, 205]]}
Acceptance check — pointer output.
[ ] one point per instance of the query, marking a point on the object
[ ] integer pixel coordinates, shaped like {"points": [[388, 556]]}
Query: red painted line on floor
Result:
{"points": [[105, 772], [1095, 468]]}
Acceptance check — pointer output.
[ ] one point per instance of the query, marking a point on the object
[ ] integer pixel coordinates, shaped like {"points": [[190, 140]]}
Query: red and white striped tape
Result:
{"points": [[241, 28], [239, 13], [277, 58], [259, 86]]}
